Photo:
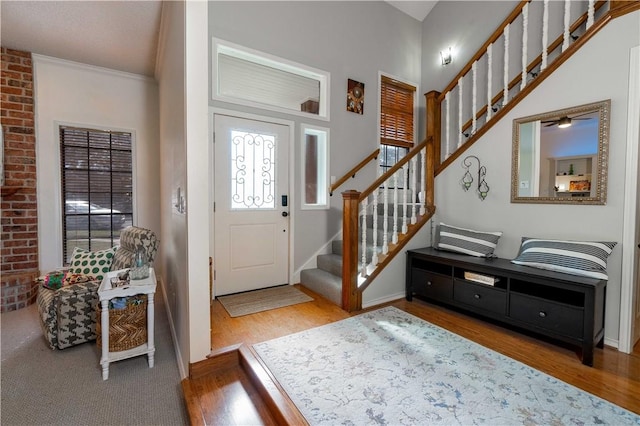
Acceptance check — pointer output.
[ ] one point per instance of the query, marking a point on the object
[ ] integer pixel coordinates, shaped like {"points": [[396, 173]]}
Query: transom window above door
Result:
{"points": [[248, 77]]}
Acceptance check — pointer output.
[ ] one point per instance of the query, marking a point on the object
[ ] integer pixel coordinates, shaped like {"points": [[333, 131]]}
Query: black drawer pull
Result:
{"points": [[477, 296], [542, 314]]}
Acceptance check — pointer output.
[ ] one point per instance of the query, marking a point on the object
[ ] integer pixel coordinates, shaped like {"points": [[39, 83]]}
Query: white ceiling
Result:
{"points": [[120, 35], [418, 9]]}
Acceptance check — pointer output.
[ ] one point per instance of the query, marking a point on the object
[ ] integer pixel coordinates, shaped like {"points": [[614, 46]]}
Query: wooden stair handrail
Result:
{"points": [[376, 184], [495, 36], [352, 173], [537, 61]]}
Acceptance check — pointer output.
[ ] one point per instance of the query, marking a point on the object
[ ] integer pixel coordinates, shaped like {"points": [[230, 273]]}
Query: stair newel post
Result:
{"points": [[434, 122], [432, 148], [351, 299], [430, 173]]}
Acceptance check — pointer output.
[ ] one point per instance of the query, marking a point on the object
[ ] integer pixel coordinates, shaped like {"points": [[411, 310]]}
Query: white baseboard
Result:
{"points": [[611, 342], [183, 374], [382, 300]]}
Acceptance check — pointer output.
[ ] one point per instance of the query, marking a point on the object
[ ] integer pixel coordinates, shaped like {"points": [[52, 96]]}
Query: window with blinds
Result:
{"points": [[396, 120], [396, 112], [248, 77], [97, 187]]}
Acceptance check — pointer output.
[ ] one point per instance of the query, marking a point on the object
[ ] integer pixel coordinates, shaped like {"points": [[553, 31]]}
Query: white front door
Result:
{"points": [[251, 222]]}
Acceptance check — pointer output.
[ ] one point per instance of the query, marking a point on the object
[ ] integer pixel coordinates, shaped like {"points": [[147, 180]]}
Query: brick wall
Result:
{"points": [[19, 219]]}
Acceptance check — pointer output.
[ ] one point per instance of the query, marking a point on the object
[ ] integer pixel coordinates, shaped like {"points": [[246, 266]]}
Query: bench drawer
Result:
{"points": [[560, 318], [429, 284], [480, 296]]}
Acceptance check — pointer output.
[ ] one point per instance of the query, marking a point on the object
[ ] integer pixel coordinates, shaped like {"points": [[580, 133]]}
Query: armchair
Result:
{"points": [[68, 315]]}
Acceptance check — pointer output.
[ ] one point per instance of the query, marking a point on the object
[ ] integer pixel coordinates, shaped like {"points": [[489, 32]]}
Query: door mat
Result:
{"points": [[263, 300]]}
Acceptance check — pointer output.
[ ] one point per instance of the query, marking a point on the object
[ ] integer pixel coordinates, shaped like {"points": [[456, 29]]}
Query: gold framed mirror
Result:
{"points": [[561, 157]]}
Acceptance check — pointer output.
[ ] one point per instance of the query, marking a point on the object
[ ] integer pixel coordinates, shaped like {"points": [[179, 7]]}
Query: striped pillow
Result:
{"points": [[466, 241], [585, 258]]}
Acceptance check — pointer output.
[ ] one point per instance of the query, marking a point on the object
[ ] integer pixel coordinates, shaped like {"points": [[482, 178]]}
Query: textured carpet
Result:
{"points": [[262, 300], [65, 387], [390, 367]]}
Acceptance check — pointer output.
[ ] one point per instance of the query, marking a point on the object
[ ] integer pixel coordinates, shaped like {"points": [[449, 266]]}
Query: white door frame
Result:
{"points": [[630, 214], [292, 183]]}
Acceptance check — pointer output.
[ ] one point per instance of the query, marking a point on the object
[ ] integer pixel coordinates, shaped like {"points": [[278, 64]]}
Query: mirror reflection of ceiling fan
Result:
{"points": [[565, 121]]}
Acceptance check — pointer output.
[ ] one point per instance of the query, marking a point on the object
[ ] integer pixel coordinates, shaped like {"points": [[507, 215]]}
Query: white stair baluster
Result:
{"points": [[414, 185], [474, 91], [591, 13], [505, 90], [394, 235], [363, 271], [423, 181], [567, 17], [447, 124], [460, 112], [489, 81], [385, 217], [545, 34], [405, 206], [374, 257], [525, 28]]}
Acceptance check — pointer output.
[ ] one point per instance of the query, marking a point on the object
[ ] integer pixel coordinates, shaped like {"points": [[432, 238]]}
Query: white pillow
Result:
{"points": [[584, 258], [466, 241]]}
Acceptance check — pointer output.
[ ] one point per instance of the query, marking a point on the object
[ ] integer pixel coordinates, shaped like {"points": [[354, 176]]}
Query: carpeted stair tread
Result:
{"points": [[323, 283], [326, 279], [331, 263]]}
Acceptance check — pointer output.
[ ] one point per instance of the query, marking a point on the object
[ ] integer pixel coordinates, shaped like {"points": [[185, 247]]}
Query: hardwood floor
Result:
{"points": [[228, 396]]}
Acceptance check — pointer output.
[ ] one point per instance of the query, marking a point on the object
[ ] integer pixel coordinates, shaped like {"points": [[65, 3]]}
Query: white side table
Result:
{"points": [[106, 293]]}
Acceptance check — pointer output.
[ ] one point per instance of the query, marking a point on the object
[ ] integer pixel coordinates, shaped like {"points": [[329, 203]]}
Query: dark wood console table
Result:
{"points": [[565, 307]]}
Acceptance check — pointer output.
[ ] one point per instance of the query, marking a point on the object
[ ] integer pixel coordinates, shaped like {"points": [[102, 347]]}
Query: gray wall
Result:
{"points": [[170, 74], [353, 40]]}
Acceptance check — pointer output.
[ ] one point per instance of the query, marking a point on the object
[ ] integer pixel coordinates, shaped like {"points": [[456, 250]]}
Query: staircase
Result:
{"points": [[326, 279], [456, 118]]}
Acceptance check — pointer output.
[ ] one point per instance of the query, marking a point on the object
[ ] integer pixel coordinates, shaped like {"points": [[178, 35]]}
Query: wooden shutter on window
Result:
{"points": [[396, 117]]}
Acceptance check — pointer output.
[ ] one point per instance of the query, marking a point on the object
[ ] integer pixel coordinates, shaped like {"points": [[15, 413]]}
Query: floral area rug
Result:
{"points": [[389, 367]]}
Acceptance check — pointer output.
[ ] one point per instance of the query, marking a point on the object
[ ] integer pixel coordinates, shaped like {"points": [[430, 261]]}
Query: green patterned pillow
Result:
{"points": [[96, 263]]}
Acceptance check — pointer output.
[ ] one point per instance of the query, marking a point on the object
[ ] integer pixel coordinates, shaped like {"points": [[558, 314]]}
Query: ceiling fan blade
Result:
{"points": [[586, 118], [553, 123], [584, 113]]}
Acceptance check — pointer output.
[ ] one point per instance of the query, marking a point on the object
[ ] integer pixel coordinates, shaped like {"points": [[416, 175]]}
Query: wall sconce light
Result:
{"points": [[467, 179], [446, 56]]}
